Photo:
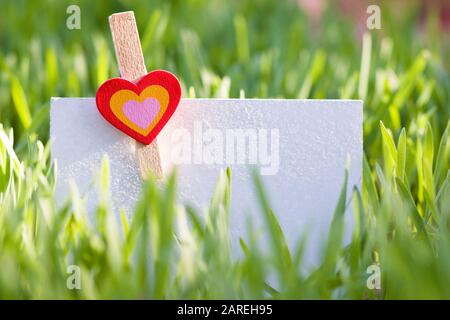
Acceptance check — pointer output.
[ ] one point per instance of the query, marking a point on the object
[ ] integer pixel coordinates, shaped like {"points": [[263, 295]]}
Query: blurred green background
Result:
{"points": [[264, 48]]}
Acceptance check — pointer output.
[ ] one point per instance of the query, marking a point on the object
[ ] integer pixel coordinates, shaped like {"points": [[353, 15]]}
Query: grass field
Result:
{"points": [[224, 49]]}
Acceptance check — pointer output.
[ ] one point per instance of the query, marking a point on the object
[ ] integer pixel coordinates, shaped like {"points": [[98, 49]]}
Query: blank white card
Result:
{"points": [[300, 148]]}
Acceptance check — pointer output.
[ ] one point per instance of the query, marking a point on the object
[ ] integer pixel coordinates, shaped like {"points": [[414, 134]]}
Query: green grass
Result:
{"points": [[260, 49]]}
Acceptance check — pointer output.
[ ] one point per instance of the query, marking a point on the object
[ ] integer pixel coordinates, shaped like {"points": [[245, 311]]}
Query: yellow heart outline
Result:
{"points": [[121, 97]]}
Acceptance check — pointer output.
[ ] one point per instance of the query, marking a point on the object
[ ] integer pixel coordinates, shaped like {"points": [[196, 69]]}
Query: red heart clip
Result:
{"points": [[140, 110]]}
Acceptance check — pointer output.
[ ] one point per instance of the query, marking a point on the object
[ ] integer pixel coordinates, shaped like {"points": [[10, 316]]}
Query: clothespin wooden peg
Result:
{"points": [[138, 104]]}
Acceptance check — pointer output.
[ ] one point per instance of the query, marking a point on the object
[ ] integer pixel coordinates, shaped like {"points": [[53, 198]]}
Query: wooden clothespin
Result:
{"points": [[132, 67]]}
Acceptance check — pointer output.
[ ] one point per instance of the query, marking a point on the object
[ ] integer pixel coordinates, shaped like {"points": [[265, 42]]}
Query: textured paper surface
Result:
{"points": [[315, 137]]}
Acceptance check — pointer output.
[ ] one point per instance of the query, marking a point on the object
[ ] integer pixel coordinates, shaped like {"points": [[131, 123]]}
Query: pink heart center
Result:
{"points": [[142, 114]]}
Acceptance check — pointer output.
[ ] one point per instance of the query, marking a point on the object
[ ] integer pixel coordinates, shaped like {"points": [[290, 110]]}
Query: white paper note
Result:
{"points": [[299, 146]]}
